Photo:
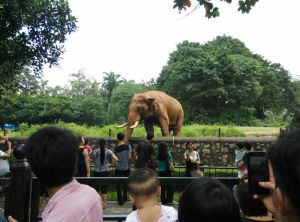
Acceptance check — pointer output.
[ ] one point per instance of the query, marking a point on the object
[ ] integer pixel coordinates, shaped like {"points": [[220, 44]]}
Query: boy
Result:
{"points": [[144, 189]]}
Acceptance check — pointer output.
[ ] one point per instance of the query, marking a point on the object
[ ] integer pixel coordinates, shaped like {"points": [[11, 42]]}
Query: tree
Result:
{"points": [[32, 34], [110, 82], [210, 10], [222, 81]]}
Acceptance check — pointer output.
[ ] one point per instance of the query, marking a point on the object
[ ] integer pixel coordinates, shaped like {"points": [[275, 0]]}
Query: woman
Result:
{"points": [[192, 159], [83, 163], [101, 157], [164, 159]]}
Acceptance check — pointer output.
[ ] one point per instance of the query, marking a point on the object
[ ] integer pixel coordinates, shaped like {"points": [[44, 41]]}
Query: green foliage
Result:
{"points": [[32, 34], [222, 82], [210, 9], [111, 130]]}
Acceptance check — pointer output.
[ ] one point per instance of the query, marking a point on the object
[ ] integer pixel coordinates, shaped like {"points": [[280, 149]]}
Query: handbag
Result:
{"points": [[197, 173]]}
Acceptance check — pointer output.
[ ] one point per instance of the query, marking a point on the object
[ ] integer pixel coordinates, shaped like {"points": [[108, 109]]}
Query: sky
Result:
{"points": [[134, 38]]}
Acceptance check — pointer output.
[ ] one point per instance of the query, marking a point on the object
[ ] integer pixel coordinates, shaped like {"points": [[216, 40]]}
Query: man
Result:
{"points": [[144, 154], [123, 153], [284, 170], [52, 155]]}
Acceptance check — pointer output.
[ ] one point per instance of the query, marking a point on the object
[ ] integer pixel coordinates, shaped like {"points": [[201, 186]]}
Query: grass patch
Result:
{"points": [[194, 130]]}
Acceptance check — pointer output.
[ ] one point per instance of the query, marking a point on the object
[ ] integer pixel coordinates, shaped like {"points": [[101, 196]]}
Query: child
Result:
{"points": [[239, 154], [144, 189]]}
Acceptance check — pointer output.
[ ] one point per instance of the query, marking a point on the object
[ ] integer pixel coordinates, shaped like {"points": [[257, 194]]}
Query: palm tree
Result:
{"points": [[110, 82]]}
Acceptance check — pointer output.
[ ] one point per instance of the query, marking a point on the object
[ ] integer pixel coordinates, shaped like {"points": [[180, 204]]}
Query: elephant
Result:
{"points": [[154, 107]]}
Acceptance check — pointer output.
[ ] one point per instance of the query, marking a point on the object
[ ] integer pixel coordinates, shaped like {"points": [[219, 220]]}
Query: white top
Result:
{"points": [[167, 214], [1, 153], [194, 156]]}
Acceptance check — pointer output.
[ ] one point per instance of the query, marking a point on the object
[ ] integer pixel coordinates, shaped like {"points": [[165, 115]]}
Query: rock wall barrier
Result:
{"points": [[215, 151]]}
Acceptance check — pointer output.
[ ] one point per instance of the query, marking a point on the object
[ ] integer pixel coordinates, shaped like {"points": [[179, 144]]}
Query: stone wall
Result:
{"points": [[217, 151]]}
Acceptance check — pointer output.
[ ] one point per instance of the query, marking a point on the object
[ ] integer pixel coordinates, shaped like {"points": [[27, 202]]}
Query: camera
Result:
{"points": [[257, 165]]}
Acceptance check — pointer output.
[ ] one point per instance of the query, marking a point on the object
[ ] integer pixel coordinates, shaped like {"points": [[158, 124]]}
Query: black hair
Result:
{"points": [[142, 182], [150, 135], [120, 136], [248, 205], [207, 199], [102, 144], [284, 156], [187, 143], [240, 145], [86, 141], [80, 139], [162, 152], [248, 145], [52, 155]]}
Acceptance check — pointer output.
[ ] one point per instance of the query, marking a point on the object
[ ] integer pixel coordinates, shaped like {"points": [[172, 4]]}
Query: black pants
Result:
{"points": [[122, 197], [104, 188], [167, 191]]}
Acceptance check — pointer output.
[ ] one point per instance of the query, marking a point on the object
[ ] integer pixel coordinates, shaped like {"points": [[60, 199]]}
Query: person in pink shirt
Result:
{"points": [[52, 155]]}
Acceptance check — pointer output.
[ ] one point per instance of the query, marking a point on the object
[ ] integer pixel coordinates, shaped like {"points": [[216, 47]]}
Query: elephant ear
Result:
{"points": [[151, 104]]}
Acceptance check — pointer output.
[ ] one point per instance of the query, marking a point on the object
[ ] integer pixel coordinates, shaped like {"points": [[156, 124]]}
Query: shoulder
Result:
{"points": [[131, 217]]}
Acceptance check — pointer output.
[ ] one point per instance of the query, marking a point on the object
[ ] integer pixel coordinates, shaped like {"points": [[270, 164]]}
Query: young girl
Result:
{"points": [[101, 157], [164, 158], [144, 189]]}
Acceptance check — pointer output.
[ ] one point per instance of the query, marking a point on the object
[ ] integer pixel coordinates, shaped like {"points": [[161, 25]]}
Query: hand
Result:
{"points": [[268, 200], [11, 219]]}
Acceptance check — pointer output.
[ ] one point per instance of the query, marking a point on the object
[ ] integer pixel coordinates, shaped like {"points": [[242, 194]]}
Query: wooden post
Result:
{"points": [[219, 132], [17, 201], [109, 132]]}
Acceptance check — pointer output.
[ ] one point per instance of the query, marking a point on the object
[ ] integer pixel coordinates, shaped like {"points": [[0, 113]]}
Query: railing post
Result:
{"points": [[219, 132], [17, 201]]}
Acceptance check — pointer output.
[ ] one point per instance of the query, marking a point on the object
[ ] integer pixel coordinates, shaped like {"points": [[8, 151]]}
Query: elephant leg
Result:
{"points": [[178, 124], [172, 129], [164, 126]]}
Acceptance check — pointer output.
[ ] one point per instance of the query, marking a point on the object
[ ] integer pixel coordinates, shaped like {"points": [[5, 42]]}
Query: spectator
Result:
{"points": [[239, 154], [5, 153], [87, 147], [243, 163], [145, 154], [207, 199], [144, 189], [164, 158], [252, 209], [123, 153], [192, 159], [284, 165], [102, 158], [52, 154], [83, 163]]}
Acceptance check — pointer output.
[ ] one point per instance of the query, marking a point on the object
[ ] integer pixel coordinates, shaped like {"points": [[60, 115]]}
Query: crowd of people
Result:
{"points": [[53, 156]]}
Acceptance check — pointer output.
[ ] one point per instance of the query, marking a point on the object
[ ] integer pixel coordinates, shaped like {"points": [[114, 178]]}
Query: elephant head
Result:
{"points": [[140, 108]]}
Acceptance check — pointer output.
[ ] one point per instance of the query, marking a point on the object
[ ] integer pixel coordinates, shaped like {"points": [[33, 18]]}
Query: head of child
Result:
{"points": [[240, 146], [143, 187]]}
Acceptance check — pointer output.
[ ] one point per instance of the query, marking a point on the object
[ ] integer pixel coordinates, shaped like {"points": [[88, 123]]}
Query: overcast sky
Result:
{"points": [[134, 38]]}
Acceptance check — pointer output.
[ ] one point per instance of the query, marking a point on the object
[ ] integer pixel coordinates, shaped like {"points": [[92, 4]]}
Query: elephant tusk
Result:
{"points": [[125, 124], [134, 125]]}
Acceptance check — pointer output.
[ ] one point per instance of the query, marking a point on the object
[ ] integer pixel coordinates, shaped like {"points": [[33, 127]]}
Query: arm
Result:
{"points": [[114, 159], [240, 164], [87, 162], [198, 158], [186, 156], [7, 153]]}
